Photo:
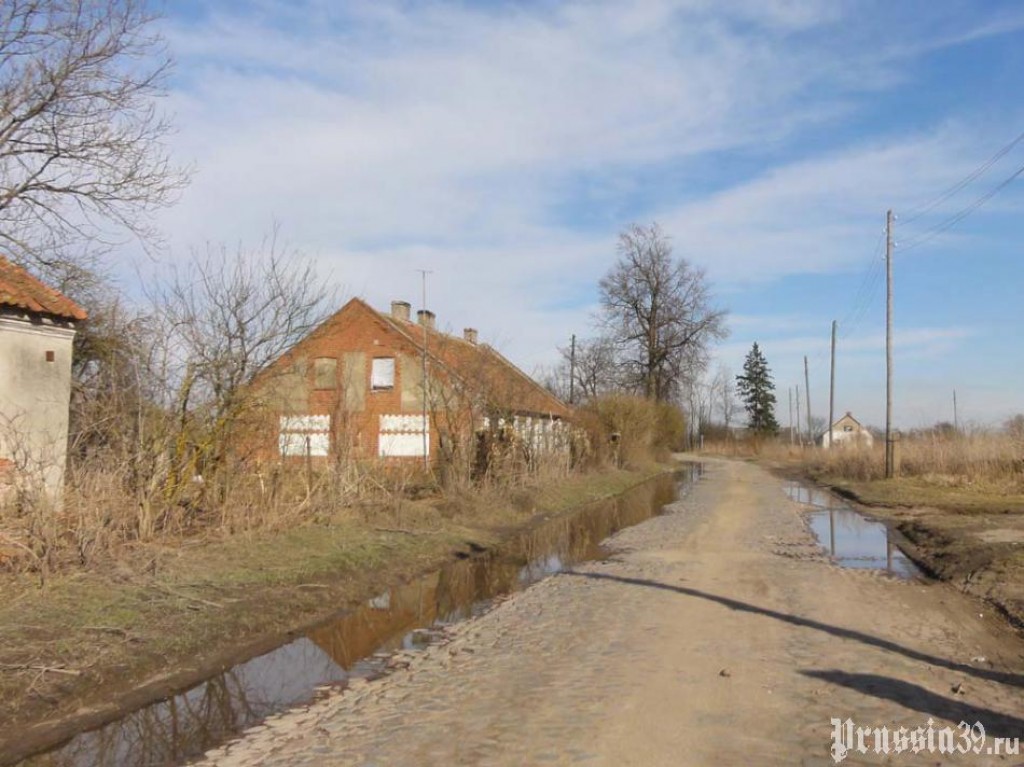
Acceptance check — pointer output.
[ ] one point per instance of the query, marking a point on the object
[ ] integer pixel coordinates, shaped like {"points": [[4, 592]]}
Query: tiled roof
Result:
{"points": [[484, 365], [21, 290]]}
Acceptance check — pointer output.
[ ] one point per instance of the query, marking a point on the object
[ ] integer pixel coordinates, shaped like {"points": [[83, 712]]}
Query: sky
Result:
{"points": [[504, 145]]}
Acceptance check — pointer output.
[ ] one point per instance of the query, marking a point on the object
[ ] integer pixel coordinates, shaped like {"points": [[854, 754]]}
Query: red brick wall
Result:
{"points": [[356, 328]]}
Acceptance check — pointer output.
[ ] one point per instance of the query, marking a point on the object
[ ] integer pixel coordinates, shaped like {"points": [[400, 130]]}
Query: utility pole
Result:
{"points": [[426, 383], [807, 397], [956, 421], [799, 432], [832, 388], [572, 371], [889, 448], [789, 391]]}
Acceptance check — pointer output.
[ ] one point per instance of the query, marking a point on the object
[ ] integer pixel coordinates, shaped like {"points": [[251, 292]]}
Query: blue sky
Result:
{"points": [[503, 146]]}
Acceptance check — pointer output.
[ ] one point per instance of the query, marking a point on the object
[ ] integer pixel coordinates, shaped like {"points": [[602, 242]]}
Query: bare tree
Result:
{"points": [[659, 312], [724, 395], [80, 139], [228, 316], [595, 370]]}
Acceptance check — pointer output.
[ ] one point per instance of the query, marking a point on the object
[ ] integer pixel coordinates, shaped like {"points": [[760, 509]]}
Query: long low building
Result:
{"points": [[370, 384]]}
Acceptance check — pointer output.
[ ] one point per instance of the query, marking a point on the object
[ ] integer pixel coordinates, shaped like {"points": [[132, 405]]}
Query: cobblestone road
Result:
{"points": [[716, 634]]}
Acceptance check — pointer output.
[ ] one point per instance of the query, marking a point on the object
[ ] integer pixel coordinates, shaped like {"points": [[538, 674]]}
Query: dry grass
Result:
{"points": [[173, 603], [973, 471], [984, 462], [105, 513]]}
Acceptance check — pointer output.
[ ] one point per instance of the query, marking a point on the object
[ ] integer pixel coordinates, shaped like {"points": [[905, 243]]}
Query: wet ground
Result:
{"points": [[720, 632], [851, 539], [360, 645]]}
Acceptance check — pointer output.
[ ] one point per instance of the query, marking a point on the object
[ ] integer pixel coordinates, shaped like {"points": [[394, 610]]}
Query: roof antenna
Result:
{"points": [[426, 382]]}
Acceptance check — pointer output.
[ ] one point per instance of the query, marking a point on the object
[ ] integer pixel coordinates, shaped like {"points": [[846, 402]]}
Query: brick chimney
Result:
{"points": [[470, 335], [400, 310], [426, 318]]}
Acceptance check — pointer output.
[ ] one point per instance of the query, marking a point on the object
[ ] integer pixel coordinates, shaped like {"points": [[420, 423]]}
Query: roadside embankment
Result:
{"points": [[90, 644], [968, 534]]}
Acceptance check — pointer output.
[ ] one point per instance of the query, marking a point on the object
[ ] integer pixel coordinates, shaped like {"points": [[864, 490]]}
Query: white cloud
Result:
{"points": [[474, 140], [818, 215]]}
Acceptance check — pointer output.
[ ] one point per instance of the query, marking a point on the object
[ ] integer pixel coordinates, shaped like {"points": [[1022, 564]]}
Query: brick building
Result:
{"points": [[355, 386]]}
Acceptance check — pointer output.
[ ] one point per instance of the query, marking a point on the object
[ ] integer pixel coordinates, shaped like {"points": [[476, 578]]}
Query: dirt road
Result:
{"points": [[717, 634]]}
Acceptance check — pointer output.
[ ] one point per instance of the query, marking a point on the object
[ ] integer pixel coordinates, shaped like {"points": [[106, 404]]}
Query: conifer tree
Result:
{"points": [[757, 390]]}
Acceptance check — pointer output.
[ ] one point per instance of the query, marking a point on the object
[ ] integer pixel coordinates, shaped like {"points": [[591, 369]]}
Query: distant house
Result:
{"points": [[846, 431], [355, 388], [37, 328]]}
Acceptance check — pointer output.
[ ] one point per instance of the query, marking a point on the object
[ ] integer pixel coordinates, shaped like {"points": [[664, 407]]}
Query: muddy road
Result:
{"points": [[717, 634]]}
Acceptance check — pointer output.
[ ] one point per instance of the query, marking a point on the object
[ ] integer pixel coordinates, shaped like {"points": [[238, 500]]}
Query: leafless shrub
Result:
{"points": [[631, 431], [225, 318]]}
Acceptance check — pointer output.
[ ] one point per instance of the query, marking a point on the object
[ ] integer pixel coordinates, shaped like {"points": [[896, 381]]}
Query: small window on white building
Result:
{"points": [[382, 375]]}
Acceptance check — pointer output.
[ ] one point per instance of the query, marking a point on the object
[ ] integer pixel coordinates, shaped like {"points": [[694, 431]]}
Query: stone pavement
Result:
{"points": [[716, 634]]}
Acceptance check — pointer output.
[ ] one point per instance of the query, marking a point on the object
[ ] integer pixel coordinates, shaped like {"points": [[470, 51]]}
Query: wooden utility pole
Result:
{"points": [[572, 371], [956, 420], [789, 391], [807, 397], [832, 388], [889, 448], [799, 433]]}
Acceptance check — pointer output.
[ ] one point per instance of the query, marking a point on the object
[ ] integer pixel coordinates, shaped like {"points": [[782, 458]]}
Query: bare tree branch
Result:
{"points": [[81, 148], [658, 310]]}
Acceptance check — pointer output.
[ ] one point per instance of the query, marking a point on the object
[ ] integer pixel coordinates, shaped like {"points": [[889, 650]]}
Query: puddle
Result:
{"points": [[812, 496], [359, 643], [851, 539]]}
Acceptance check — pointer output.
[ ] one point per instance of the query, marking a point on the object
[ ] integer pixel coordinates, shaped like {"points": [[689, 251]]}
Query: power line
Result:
{"points": [[956, 218], [872, 279], [974, 175], [865, 292]]}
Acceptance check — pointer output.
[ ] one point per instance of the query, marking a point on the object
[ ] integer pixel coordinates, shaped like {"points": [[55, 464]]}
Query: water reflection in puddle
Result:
{"points": [[360, 643], [851, 539]]}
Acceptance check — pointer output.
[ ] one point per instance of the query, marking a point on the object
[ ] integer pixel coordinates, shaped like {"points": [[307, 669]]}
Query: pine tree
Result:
{"points": [[757, 390]]}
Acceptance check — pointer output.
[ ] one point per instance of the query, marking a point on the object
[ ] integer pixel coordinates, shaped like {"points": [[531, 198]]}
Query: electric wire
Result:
{"points": [[974, 175], [865, 293], [959, 216], [873, 276]]}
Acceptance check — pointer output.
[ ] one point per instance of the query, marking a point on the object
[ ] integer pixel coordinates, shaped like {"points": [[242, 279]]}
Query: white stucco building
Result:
{"points": [[37, 328], [846, 431]]}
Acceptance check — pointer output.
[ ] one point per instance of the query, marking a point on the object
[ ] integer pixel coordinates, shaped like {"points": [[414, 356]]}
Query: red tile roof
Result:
{"points": [[484, 365], [21, 290]]}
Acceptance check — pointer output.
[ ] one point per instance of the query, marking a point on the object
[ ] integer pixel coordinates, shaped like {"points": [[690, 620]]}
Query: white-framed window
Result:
{"points": [[382, 374]]}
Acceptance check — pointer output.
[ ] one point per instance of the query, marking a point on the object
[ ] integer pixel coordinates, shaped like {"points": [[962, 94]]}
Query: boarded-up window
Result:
{"points": [[325, 373], [403, 436], [382, 375], [305, 435]]}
